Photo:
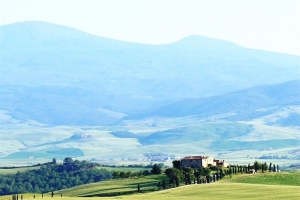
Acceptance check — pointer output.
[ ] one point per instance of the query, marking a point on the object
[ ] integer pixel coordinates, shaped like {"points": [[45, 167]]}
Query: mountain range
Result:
{"points": [[241, 105], [57, 75], [64, 92]]}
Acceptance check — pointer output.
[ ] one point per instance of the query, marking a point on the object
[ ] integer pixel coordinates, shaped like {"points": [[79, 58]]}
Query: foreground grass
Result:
{"points": [[214, 191]]}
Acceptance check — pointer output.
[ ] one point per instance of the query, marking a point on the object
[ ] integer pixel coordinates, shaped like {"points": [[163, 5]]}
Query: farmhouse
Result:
{"points": [[201, 161]]}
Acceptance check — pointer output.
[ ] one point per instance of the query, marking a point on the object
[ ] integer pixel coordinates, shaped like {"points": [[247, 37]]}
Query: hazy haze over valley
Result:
{"points": [[65, 92]]}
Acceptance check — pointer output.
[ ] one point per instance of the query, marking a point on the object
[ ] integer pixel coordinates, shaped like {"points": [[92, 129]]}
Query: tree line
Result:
{"points": [[188, 175], [53, 177]]}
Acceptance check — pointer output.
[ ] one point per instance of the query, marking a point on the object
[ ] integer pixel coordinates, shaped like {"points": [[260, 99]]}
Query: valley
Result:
{"points": [[241, 141]]}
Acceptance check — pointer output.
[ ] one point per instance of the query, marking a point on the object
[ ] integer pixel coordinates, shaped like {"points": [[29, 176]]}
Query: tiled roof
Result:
{"points": [[194, 157]]}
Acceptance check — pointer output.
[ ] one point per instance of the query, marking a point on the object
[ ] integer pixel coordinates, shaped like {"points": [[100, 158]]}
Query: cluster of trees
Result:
{"points": [[188, 175], [130, 174], [53, 177], [265, 167], [156, 169]]}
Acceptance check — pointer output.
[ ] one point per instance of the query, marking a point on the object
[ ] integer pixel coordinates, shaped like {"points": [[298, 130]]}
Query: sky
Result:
{"points": [[272, 25]]}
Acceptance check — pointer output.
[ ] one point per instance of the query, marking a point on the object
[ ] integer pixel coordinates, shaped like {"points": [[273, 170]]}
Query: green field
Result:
{"points": [[15, 170], [224, 191], [282, 178], [282, 185], [115, 187]]}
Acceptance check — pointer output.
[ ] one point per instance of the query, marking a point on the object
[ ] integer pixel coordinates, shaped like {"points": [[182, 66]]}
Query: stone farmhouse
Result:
{"points": [[202, 161]]}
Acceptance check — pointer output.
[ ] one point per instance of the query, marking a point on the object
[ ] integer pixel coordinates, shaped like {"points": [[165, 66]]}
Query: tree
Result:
{"points": [[139, 189], [177, 181], [221, 173], [68, 160], [270, 167], [122, 175], [173, 174], [116, 174], [188, 172], [265, 167], [54, 161], [230, 171], [164, 184], [161, 165], [257, 166], [156, 169], [177, 164], [128, 174]]}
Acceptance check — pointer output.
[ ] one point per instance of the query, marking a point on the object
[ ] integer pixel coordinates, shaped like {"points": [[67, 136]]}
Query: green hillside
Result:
{"points": [[266, 186]]}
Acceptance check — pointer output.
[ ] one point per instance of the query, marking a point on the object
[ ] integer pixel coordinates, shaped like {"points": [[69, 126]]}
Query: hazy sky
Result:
{"points": [[262, 24]]}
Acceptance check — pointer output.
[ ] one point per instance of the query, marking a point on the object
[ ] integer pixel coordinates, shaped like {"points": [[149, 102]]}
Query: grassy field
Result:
{"points": [[282, 178], [224, 191], [15, 170], [115, 187], [282, 185]]}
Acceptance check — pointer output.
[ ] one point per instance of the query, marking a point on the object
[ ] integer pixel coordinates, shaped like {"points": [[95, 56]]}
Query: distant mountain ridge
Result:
{"points": [[243, 103], [59, 75]]}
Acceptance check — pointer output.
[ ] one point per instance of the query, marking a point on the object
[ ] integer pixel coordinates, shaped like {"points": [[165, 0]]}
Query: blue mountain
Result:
{"points": [[59, 75]]}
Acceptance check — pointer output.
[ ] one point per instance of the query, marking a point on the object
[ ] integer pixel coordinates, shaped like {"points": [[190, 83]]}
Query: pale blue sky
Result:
{"points": [[262, 24]]}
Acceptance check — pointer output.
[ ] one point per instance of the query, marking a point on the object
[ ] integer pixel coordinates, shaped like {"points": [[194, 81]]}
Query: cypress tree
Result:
{"points": [[138, 188], [177, 181], [164, 184]]}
